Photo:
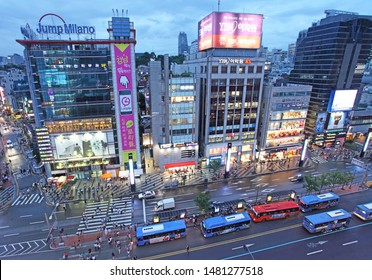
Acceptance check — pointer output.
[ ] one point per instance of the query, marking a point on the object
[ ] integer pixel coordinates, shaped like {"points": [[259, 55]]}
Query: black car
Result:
{"points": [[297, 178]]}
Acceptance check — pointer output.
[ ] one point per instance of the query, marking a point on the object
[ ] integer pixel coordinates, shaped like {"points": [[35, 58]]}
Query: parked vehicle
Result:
{"points": [[164, 204]]}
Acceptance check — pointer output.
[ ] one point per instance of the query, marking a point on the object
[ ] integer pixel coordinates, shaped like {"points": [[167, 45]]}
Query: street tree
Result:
{"points": [[215, 165], [323, 180], [202, 201], [311, 184]]}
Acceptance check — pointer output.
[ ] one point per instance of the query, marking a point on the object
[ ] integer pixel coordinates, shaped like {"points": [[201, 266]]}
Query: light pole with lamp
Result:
{"points": [[52, 227], [228, 163]]}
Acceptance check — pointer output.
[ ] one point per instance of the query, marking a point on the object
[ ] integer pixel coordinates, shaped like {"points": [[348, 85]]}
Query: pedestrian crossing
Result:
{"points": [[318, 159], [109, 215], [24, 199]]}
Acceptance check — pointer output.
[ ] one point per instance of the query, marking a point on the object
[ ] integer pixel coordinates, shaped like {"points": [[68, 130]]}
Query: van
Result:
{"points": [[165, 204]]}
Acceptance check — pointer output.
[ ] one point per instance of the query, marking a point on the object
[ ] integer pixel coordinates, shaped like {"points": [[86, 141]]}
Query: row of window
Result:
{"points": [[233, 69]]}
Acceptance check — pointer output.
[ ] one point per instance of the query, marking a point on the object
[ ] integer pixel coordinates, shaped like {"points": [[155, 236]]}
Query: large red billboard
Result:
{"points": [[230, 30]]}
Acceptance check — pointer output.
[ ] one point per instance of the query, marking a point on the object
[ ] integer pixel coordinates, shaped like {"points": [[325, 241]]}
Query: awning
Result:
{"points": [[106, 176], [179, 164]]}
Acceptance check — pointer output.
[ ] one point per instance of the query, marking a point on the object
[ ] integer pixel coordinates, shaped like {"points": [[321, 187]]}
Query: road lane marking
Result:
{"points": [[25, 216], [236, 248], [349, 243], [38, 222], [229, 193], [275, 179], [315, 252], [12, 234], [4, 227]]}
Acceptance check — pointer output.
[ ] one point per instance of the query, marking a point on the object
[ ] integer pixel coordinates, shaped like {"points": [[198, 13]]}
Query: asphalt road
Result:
{"points": [[274, 240]]}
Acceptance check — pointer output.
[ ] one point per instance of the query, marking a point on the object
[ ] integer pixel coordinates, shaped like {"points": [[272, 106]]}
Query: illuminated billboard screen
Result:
{"points": [[230, 30], [336, 120], [83, 145], [342, 100]]}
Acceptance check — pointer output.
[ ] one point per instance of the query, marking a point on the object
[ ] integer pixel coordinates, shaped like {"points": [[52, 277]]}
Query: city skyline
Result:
{"points": [[158, 24]]}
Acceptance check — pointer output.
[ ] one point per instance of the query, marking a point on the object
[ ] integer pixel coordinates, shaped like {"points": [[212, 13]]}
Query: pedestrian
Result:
{"points": [[187, 248], [113, 255], [65, 256]]}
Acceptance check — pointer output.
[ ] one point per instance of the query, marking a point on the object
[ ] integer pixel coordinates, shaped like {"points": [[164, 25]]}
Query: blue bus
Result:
{"points": [[157, 233], [363, 211], [327, 221], [320, 201], [224, 224]]}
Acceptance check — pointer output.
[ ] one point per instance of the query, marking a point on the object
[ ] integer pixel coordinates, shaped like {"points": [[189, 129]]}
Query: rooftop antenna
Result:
{"points": [[113, 12], [218, 5], [117, 12], [122, 12], [126, 13]]}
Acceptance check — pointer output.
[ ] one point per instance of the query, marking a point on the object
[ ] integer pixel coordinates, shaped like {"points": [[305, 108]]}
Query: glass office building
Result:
{"points": [[331, 55], [73, 94]]}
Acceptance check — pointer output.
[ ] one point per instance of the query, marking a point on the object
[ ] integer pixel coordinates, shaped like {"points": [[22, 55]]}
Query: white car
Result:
{"points": [[9, 144], [146, 194]]}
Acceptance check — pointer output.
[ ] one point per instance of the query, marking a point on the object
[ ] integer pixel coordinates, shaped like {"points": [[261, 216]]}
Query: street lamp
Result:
{"points": [[228, 163], [131, 174]]}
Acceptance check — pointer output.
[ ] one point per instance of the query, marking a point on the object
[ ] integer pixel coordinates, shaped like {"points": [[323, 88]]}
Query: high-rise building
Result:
{"points": [[82, 93], [174, 118], [329, 57], [229, 75], [183, 47]]}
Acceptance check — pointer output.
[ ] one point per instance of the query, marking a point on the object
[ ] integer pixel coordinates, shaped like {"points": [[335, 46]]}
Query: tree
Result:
{"points": [[202, 201], [215, 165], [323, 180], [311, 184]]}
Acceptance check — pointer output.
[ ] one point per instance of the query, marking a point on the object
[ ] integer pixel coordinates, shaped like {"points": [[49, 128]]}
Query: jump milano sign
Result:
{"points": [[63, 28]]}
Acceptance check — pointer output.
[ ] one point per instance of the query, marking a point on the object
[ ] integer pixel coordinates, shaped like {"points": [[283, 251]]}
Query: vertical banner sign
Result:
{"points": [[124, 82]]}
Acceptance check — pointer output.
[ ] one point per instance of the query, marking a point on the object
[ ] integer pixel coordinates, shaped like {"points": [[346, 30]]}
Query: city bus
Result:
{"points": [[157, 233], [274, 211], [327, 221], [224, 224], [320, 201], [363, 211]]}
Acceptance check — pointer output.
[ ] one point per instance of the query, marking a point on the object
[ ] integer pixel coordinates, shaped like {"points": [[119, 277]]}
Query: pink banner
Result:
{"points": [[124, 84]]}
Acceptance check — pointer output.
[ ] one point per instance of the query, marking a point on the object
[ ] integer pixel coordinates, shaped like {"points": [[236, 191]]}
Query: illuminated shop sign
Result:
{"points": [[63, 28], [44, 144], [165, 146], [229, 60]]}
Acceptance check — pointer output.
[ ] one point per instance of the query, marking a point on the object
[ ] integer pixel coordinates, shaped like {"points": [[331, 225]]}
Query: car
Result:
{"points": [[9, 144], [368, 184], [297, 178], [146, 194]]}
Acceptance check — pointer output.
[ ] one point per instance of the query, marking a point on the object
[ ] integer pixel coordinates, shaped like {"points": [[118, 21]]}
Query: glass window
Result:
{"points": [[214, 69]]}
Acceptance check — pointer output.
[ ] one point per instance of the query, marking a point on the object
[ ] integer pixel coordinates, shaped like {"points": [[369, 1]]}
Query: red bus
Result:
{"points": [[274, 211]]}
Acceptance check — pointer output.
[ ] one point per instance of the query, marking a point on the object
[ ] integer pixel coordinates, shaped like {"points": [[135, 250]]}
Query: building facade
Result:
{"points": [[330, 56], [76, 100], [174, 119], [229, 94], [282, 124], [183, 47]]}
